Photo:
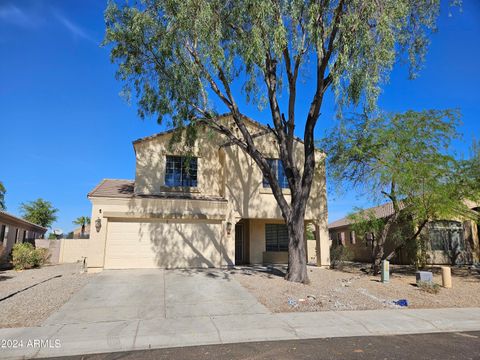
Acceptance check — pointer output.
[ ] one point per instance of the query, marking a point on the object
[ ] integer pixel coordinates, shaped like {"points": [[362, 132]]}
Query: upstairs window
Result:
{"points": [[181, 171], [277, 167], [276, 237]]}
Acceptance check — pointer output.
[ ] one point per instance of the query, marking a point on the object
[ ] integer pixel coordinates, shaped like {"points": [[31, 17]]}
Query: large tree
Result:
{"points": [[406, 160], [187, 59], [2, 196], [40, 212]]}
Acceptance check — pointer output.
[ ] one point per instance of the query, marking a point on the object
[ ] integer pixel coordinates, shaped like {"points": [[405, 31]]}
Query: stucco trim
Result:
{"points": [[163, 216]]}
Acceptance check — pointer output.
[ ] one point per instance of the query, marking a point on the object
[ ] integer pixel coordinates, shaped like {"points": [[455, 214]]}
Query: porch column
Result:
{"points": [[305, 238], [322, 243], [474, 240]]}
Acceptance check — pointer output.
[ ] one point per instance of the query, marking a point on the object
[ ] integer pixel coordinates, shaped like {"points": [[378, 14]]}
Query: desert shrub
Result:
{"points": [[429, 287], [25, 256], [42, 256], [339, 254], [421, 257]]}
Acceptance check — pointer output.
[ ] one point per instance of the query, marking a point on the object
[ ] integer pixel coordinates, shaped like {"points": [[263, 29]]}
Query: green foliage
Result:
{"points": [[40, 212], [25, 256], [2, 196], [407, 153], [82, 221], [339, 254], [169, 51], [429, 287], [188, 60], [468, 180], [310, 232], [365, 222], [420, 250]]}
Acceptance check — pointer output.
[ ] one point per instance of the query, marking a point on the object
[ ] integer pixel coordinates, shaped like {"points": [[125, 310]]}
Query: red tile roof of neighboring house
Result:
{"points": [[117, 188], [381, 211]]}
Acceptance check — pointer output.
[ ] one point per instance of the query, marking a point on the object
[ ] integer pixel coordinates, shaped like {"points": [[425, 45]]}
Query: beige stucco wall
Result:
{"points": [[64, 250], [150, 164], [227, 171], [223, 171], [257, 238], [147, 215], [73, 250]]}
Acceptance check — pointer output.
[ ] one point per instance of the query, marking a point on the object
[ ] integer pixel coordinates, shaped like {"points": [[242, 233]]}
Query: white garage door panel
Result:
{"points": [[164, 245]]}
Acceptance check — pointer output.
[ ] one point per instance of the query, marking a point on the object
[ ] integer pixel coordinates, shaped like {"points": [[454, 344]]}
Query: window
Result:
{"points": [[181, 171], [277, 167], [446, 235], [16, 235], [276, 237], [3, 232]]}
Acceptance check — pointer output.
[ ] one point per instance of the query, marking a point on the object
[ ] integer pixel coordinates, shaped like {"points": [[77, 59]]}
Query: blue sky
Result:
{"points": [[64, 127]]}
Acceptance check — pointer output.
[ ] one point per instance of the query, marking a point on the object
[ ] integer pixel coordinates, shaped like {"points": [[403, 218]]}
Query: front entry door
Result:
{"points": [[239, 244]]}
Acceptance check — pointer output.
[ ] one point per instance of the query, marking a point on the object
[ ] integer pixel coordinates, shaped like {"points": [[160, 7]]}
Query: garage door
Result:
{"points": [[164, 245]]}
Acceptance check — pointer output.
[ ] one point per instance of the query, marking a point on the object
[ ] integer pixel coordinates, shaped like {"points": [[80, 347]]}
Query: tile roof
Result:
{"points": [[381, 211], [15, 218], [384, 211], [117, 188]]}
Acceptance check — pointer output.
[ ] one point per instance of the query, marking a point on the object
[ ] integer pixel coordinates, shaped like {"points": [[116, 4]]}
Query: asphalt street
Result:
{"points": [[440, 346]]}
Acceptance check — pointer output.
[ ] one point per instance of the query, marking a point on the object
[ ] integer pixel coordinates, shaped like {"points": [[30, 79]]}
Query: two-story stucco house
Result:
{"points": [[211, 208]]}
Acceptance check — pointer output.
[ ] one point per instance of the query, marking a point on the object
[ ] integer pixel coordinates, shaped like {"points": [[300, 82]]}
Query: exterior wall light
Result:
{"points": [[229, 228], [98, 224]]}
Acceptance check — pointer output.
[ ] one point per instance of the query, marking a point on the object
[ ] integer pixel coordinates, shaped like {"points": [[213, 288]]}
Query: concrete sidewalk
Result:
{"points": [[111, 336]]}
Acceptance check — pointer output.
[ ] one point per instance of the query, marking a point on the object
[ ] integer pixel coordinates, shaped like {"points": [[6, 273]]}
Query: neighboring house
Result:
{"points": [[77, 233], [14, 230], [210, 209], [445, 239]]}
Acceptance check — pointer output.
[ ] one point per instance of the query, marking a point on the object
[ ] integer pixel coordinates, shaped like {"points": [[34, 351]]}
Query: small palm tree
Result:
{"points": [[82, 221], [2, 196]]}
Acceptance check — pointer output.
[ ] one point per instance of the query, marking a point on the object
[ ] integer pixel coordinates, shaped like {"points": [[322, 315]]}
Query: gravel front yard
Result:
{"points": [[352, 289], [54, 285]]}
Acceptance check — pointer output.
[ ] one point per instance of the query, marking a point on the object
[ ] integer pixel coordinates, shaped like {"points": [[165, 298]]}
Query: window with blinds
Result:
{"points": [[277, 167], [181, 171], [276, 237], [446, 235]]}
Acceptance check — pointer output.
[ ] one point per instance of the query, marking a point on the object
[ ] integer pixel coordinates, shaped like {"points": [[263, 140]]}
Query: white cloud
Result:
{"points": [[75, 29], [13, 14]]}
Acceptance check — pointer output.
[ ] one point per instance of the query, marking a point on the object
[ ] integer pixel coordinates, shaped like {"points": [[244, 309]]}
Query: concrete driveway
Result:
{"points": [[146, 294]]}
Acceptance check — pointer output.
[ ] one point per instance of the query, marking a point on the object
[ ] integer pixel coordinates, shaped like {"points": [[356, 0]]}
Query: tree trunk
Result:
{"points": [[378, 256], [412, 238], [380, 247], [297, 256]]}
